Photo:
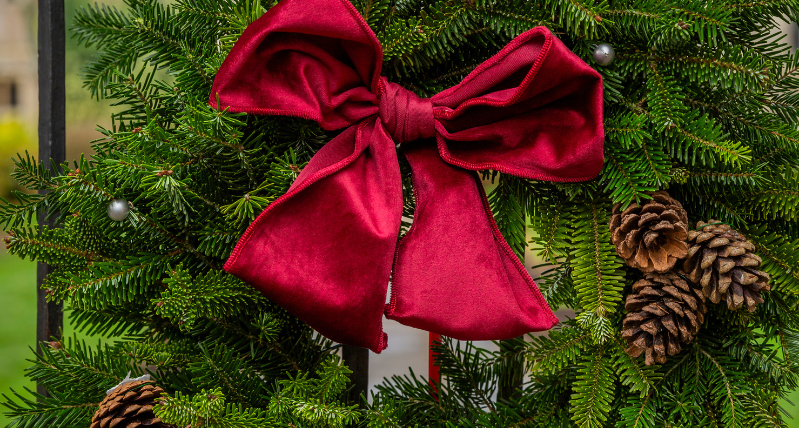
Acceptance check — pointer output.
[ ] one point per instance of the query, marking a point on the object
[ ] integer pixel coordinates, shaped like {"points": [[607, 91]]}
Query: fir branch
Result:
{"points": [[780, 258], [466, 373], [597, 280], [733, 419], [631, 373], [510, 212], [550, 354], [592, 391], [209, 409]]}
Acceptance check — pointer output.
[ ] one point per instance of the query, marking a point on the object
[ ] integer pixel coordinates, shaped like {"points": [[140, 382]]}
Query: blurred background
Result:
{"points": [[18, 122]]}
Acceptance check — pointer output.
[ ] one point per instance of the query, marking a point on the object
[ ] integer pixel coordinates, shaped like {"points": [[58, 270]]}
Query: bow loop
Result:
{"points": [[321, 63], [533, 110], [406, 116]]}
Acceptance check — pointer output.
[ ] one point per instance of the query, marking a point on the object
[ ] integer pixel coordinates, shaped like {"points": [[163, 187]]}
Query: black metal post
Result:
{"points": [[52, 143], [357, 359]]}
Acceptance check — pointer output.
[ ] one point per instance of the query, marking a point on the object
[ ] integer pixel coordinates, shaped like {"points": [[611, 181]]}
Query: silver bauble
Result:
{"points": [[118, 209], [604, 54]]}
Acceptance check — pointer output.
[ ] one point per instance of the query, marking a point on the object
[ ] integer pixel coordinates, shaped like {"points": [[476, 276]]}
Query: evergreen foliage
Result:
{"points": [[701, 100]]}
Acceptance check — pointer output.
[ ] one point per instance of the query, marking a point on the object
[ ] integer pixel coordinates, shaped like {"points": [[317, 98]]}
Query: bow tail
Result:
{"points": [[454, 273], [323, 251]]}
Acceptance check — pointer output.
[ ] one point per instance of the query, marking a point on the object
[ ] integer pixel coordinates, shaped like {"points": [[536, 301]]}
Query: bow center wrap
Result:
{"points": [[406, 116], [327, 249]]}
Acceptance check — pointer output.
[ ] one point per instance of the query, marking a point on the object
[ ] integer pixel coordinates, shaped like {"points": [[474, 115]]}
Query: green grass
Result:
{"points": [[18, 329], [792, 410], [18, 322]]}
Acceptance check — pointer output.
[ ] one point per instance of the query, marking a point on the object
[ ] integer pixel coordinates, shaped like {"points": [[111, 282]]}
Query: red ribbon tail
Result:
{"points": [[346, 199], [455, 256]]}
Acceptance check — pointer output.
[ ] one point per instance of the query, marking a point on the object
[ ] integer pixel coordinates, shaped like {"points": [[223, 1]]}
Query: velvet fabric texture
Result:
{"points": [[326, 249]]}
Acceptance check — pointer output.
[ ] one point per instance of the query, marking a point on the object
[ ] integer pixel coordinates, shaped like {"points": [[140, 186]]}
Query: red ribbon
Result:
{"points": [[433, 372], [326, 250]]}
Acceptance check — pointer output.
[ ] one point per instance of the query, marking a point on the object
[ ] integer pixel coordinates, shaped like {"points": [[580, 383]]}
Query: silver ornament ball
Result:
{"points": [[118, 209], [604, 54]]}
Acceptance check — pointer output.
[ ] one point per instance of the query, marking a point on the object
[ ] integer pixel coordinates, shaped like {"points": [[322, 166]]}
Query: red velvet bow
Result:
{"points": [[326, 249]]}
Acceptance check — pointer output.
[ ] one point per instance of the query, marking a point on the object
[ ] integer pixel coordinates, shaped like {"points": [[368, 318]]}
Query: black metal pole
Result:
{"points": [[357, 359], [52, 143]]}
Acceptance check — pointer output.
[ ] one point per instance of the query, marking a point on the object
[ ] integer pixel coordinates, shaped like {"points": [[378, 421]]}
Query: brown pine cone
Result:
{"points": [[723, 262], [130, 405], [651, 237], [664, 312]]}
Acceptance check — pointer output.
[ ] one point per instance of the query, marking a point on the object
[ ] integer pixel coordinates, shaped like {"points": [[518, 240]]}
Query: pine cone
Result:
{"points": [[664, 312], [130, 405], [651, 237], [723, 262]]}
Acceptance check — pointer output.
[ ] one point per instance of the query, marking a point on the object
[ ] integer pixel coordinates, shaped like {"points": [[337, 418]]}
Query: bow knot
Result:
{"points": [[327, 249], [406, 116]]}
